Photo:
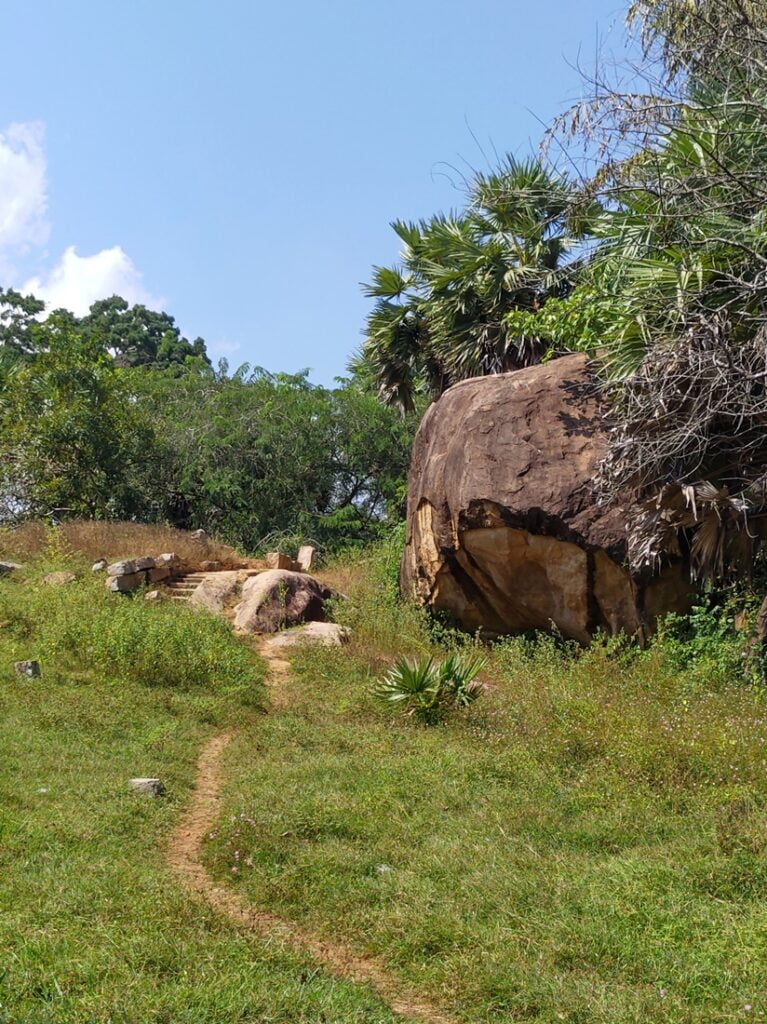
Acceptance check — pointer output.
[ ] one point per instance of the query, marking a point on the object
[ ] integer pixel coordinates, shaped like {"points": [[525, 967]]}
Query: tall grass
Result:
{"points": [[91, 540], [80, 628]]}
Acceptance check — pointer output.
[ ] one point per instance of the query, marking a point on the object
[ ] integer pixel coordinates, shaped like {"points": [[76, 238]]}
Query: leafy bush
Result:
{"points": [[707, 644], [427, 689]]}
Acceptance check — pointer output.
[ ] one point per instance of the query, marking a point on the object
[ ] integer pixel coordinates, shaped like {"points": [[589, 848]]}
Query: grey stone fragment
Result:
{"points": [[199, 535], [125, 584], [125, 568], [28, 669], [152, 595], [150, 787], [99, 566], [147, 562], [8, 567], [162, 572], [169, 559]]}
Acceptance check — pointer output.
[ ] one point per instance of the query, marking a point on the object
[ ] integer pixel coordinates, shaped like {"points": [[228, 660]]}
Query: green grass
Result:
{"points": [[93, 928], [587, 843]]}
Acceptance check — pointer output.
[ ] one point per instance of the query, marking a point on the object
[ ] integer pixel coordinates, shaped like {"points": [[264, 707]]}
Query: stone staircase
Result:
{"points": [[182, 587]]}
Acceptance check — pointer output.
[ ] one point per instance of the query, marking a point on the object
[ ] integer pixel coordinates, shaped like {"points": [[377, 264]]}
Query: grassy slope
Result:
{"points": [[586, 844], [92, 926]]}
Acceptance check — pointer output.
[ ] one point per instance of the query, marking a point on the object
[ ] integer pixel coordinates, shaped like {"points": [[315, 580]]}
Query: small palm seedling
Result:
{"points": [[427, 689]]}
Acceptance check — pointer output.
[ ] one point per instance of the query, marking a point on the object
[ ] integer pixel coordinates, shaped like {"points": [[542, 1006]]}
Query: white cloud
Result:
{"points": [[23, 187], [76, 282]]}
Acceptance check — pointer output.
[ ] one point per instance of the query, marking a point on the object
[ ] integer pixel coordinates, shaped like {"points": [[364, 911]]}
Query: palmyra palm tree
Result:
{"points": [[440, 313]]}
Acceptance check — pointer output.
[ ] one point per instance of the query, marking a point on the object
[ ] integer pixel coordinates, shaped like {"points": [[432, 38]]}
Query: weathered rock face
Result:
{"points": [[503, 528], [215, 593], [279, 598]]}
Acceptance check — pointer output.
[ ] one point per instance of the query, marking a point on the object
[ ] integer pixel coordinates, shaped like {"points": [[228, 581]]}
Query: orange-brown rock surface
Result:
{"points": [[504, 531]]}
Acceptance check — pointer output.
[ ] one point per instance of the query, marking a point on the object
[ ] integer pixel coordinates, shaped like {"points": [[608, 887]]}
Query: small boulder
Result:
{"points": [[99, 566], [28, 669], [126, 584], [215, 593], [59, 579], [305, 558], [152, 595], [325, 634], [149, 787], [162, 572], [279, 598], [125, 568], [146, 562], [199, 535], [169, 559], [6, 567]]}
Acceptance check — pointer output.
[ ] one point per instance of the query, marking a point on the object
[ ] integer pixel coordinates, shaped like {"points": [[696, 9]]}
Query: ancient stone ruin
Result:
{"points": [[504, 529]]}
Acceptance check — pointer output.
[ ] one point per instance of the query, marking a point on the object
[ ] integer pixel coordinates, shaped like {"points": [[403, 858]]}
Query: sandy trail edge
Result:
{"points": [[183, 857]]}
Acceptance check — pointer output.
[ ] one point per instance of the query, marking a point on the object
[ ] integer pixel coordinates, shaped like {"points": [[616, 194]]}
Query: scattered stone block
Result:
{"points": [[305, 558], [127, 583], [167, 559], [210, 566], [149, 787], [6, 567], [28, 669], [99, 566], [152, 595], [125, 568], [199, 535], [276, 560], [162, 572], [147, 562], [59, 579]]}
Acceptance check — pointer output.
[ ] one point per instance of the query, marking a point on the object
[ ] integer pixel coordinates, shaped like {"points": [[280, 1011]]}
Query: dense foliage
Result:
{"points": [[669, 289], [115, 416]]}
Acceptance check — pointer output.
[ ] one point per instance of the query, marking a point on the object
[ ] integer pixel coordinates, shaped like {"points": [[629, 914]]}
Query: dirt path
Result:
{"points": [[184, 859]]}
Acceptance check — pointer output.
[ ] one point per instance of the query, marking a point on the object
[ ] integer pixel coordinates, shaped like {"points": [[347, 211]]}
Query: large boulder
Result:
{"points": [[504, 531], [279, 598], [215, 593]]}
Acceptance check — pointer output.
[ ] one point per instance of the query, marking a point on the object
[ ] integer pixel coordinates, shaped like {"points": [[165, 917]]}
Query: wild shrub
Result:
{"points": [[707, 645], [427, 689]]}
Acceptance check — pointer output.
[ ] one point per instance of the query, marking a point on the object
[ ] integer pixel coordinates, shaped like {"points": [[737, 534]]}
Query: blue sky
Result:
{"points": [[238, 163]]}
